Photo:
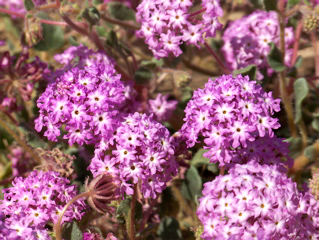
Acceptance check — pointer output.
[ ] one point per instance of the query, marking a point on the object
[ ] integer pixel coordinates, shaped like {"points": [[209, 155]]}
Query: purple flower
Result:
{"points": [[161, 108], [168, 24], [35, 201], [143, 151], [230, 113], [246, 41], [235, 205]]}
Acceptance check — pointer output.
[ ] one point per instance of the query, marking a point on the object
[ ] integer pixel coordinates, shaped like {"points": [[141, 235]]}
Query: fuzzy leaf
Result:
{"points": [[298, 62], [29, 5], [72, 231], [192, 184], [301, 90], [169, 229], [295, 146], [274, 58], [111, 39], [143, 75], [199, 160], [292, 3], [91, 15], [310, 153], [152, 64], [52, 36], [73, 41], [123, 210], [270, 5], [250, 70], [315, 122], [121, 12]]}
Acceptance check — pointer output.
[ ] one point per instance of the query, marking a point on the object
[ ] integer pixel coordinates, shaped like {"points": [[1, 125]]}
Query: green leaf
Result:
{"points": [[101, 31], [120, 11], [199, 160], [274, 58], [143, 75], [123, 210], [250, 70], [29, 5], [153, 63], [111, 39], [301, 90], [192, 184], [310, 152], [169, 229], [91, 15], [52, 36], [6, 171], [292, 3], [298, 62], [270, 5], [73, 41], [315, 121], [295, 146], [71, 231]]}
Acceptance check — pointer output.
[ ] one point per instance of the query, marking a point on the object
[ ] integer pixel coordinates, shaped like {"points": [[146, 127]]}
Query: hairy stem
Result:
{"points": [[220, 63], [282, 75], [147, 214], [132, 225], [19, 141], [120, 23], [296, 42], [57, 225]]}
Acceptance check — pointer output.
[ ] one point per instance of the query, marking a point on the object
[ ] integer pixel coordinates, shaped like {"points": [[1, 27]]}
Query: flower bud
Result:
{"points": [[33, 32]]}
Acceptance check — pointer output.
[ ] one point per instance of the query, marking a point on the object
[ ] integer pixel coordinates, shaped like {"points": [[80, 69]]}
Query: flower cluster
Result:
{"points": [[252, 202], [33, 202], [228, 113], [143, 151], [168, 24], [161, 108], [246, 41], [17, 78], [88, 99], [20, 159], [265, 150]]}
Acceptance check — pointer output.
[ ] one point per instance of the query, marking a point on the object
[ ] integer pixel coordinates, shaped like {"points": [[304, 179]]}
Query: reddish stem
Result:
{"points": [[220, 63], [296, 42], [147, 214], [20, 15], [196, 13]]}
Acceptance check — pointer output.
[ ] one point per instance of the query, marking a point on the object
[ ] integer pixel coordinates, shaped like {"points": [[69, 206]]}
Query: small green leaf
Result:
{"points": [[123, 210], [153, 63], [301, 90], [292, 3], [298, 62], [192, 184], [315, 121], [143, 75], [274, 58], [198, 158], [73, 41], [91, 15], [270, 5], [101, 31], [310, 153], [29, 5], [71, 231], [169, 229], [111, 39], [250, 70], [120, 11], [295, 146], [52, 36]]}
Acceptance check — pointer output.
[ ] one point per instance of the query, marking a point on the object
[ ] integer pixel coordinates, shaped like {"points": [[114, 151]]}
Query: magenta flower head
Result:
{"points": [[18, 5], [246, 41], [161, 108], [229, 113], [88, 99], [141, 151], [251, 202], [36, 200], [166, 25]]}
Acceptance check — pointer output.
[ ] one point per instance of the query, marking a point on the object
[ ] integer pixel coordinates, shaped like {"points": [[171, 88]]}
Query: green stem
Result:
{"points": [[132, 225], [282, 75], [57, 225], [19, 141]]}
